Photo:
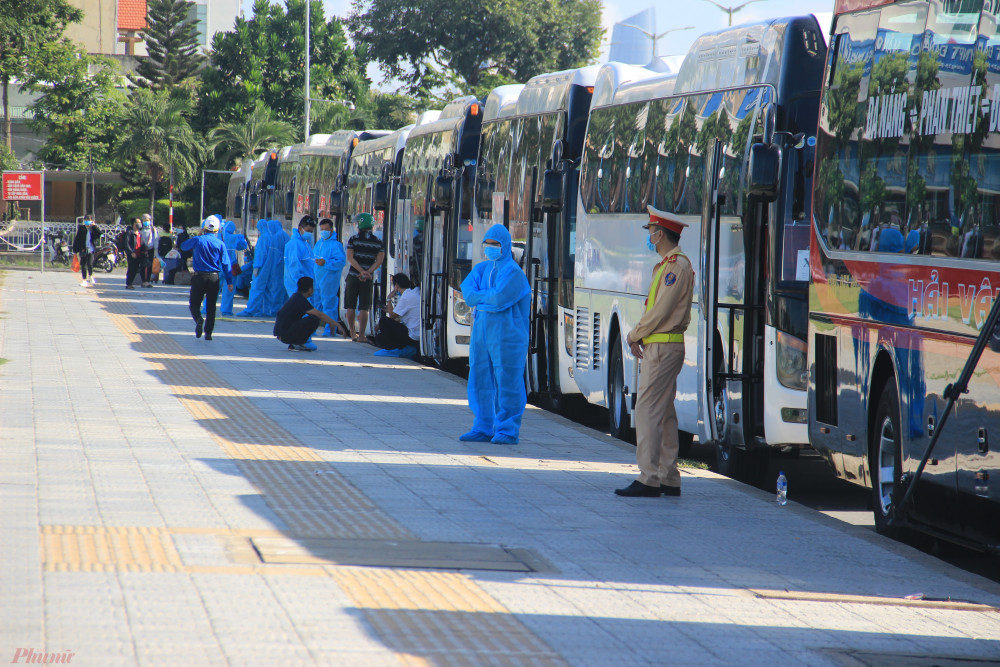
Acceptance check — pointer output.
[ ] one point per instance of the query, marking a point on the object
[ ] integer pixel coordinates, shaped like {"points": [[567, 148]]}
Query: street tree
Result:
{"points": [[79, 106], [233, 142], [262, 61], [172, 43], [432, 43], [23, 27], [156, 135]]}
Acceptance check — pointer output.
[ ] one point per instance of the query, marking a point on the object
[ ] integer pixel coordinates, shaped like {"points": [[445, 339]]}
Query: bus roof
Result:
{"points": [[550, 92], [396, 140], [452, 117], [614, 77], [501, 102], [842, 6], [751, 54], [290, 153]]}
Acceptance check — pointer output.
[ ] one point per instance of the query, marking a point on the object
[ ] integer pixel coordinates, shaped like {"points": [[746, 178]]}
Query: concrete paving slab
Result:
{"points": [[138, 463]]}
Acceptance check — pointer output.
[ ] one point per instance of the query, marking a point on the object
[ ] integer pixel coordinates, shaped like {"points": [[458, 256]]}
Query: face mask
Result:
{"points": [[145, 225], [650, 245], [492, 252], [325, 234]]}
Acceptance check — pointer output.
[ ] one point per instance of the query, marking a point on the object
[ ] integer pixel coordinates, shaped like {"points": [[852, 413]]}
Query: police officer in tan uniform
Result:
{"points": [[658, 339]]}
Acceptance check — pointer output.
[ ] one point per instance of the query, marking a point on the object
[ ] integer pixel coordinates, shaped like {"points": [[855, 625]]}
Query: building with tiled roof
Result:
{"points": [[131, 20]]}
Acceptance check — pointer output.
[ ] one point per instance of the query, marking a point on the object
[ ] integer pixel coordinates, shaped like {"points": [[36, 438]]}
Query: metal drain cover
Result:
{"points": [[876, 659], [387, 553]]}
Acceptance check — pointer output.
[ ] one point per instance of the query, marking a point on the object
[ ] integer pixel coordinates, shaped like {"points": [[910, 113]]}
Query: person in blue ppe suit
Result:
{"points": [[261, 278], [276, 293], [299, 260], [234, 243], [501, 296], [330, 252]]}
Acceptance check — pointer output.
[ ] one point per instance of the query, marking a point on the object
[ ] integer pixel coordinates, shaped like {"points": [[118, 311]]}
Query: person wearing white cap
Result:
{"points": [[210, 258], [658, 339]]}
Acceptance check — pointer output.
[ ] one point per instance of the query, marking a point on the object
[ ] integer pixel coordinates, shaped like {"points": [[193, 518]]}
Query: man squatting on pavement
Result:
{"points": [[658, 339], [297, 320], [210, 258]]}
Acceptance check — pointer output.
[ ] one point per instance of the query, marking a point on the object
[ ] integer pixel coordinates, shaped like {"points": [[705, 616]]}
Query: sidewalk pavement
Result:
{"points": [[167, 500]]}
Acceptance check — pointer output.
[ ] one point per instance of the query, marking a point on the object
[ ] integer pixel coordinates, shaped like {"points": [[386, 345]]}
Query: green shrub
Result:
{"points": [[185, 213]]}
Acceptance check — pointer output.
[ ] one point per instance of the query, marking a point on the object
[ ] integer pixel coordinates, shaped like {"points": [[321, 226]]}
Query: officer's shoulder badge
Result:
{"points": [[670, 279], [671, 259]]}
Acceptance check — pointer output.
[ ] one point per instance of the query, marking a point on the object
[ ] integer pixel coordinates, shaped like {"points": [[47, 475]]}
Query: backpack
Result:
{"points": [[121, 241]]}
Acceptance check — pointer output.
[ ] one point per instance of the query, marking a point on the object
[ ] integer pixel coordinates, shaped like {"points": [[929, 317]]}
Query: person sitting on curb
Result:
{"points": [[298, 320], [399, 329]]}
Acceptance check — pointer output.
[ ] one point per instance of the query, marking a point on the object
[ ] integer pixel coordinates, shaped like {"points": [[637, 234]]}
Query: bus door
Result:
{"points": [[732, 263], [538, 268], [434, 283]]}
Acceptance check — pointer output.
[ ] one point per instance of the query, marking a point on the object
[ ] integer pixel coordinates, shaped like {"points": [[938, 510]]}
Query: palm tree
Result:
{"points": [[259, 132], [156, 133]]}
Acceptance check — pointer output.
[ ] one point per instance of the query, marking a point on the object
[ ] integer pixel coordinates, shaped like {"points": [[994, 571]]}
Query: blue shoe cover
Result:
{"points": [[475, 436], [501, 439], [409, 351], [382, 353], [309, 345]]}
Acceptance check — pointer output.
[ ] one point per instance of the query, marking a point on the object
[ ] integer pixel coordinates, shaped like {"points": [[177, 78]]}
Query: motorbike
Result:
{"points": [[60, 249], [108, 257]]}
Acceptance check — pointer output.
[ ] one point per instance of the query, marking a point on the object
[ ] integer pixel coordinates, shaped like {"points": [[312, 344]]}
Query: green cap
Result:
{"points": [[364, 220]]}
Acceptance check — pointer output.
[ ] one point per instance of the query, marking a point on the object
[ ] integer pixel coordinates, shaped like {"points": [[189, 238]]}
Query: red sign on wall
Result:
{"points": [[22, 185]]}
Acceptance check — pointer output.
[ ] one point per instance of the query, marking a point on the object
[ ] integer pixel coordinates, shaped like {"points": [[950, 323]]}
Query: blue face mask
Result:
{"points": [[145, 224], [649, 244], [325, 234], [492, 252]]}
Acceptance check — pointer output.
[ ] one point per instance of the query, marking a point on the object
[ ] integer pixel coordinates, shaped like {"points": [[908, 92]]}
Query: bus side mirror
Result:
{"points": [[444, 189], [380, 196], [252, 206], [555, 186], [289, 204], [764, 169], [484, 194], [336, 202]]}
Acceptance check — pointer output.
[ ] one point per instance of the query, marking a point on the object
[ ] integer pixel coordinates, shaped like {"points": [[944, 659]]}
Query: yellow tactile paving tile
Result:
{"points": [[373, 588], [441, 618], [106, 549]]}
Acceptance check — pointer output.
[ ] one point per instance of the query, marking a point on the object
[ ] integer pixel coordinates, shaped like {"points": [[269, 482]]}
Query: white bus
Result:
{"points": [[681, 143]]}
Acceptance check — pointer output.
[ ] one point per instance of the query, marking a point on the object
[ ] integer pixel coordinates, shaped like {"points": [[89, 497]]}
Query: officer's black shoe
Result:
{"points": [[197, 328], [670, 490], [639, 490]]}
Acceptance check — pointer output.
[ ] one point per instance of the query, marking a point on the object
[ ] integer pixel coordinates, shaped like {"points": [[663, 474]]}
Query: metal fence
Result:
{"points": [[24, 238]]}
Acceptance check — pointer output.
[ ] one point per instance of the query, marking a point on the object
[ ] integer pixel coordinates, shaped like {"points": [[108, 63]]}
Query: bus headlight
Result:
{"points": [[463, 314], [569, 334], [791, 361]]}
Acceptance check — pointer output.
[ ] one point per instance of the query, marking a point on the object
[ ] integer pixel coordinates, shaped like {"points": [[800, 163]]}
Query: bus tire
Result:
{"points": [[885, 458], [749, 466], [684, 440], [619, 423]]}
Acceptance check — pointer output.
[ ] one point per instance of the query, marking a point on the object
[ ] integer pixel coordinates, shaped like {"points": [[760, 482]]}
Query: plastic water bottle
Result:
{"points": [[782, 497]]}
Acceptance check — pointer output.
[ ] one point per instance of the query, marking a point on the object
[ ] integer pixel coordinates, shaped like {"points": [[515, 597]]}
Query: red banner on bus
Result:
{"points": [[854, 5], [22, 186]]}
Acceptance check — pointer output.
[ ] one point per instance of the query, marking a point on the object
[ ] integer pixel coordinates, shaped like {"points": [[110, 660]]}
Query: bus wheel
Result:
{"points": [[884, 458], [749, 466], [618, 419], [685, 441]]}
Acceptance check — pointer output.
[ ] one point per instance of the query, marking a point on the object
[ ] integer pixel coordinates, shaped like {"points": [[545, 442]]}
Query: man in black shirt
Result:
{"points": [[298, 320], [365, 253]]}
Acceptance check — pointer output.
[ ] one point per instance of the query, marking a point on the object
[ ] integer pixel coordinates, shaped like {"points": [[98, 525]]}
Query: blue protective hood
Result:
{"points": [[496, 286], [278, 236], [499, 233], [230, 227], [262, 227]]}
